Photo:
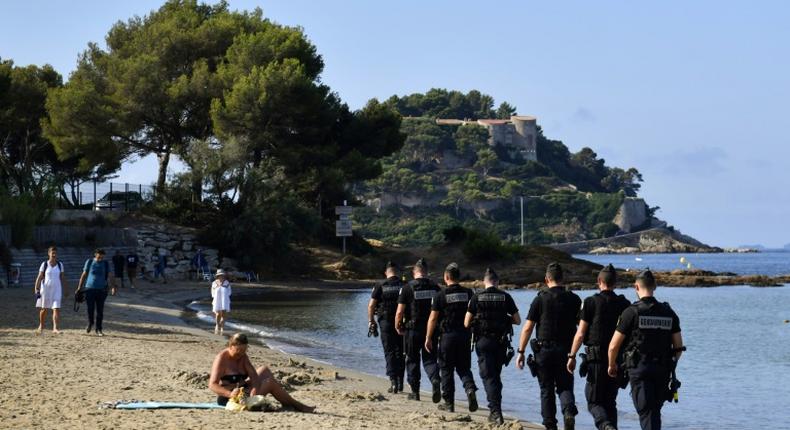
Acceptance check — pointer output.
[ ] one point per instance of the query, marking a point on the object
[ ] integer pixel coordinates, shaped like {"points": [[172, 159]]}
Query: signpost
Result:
{"points": [[343, 224]]}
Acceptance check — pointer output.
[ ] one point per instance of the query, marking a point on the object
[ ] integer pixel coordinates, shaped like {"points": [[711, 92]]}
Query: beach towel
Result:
{"points": [[134, 404]]}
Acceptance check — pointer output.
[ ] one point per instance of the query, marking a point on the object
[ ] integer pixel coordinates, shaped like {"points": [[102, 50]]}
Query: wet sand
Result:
{"points": [[149, 353]]}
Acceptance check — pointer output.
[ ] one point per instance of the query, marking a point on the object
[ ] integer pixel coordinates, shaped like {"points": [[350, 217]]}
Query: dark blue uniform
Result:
{"points": [[454, 353], [416, 297], [601, 312], [386, 296], [493, 311], [555, 311], [649, 326]]}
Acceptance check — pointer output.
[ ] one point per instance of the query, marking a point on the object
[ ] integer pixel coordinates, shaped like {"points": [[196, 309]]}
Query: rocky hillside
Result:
{"points": [[453, 172]]}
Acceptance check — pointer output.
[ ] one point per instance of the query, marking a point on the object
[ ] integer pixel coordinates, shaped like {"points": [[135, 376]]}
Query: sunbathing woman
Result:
{"points": [[233, 371]]}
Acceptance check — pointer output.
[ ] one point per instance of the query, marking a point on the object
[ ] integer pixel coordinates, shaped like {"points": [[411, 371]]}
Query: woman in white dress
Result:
{"points": [[220, 303], [48, 288]]}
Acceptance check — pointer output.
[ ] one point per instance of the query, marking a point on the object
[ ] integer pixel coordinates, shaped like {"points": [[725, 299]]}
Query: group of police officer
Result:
{"points": [[425, 323]]}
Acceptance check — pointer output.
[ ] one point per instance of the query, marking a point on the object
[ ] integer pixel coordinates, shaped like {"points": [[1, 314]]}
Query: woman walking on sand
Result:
{"points": [[48, 288], [220, 303]]}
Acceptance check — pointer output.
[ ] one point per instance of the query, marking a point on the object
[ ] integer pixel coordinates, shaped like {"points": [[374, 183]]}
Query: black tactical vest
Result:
{"points": [[390, 290], [651, 336], [424, 290], [492, 318], [558, 318], [456, 304], [608, 308]]}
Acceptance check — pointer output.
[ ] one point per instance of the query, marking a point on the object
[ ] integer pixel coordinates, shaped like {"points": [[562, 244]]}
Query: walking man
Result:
{"points": [[411, 320], [383, 305], [448, 310], [599, 316], [651, 332], [95, 281], [491, 315], [118, 263], [131, 267], [554, 313]]}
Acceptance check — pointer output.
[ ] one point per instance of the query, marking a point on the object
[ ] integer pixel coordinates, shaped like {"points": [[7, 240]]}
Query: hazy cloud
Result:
{"points": [[703, 160], [583, 114]]}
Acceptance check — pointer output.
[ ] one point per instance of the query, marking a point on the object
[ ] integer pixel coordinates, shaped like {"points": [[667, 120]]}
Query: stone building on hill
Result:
{"points": [[519, 131]]}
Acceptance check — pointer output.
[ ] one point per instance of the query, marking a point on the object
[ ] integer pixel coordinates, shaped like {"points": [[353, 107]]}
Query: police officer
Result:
{"points": [[598, 320], [491, 315], [411, 321], [554, 311], [651, 333], [448, 310], [383, 304]]}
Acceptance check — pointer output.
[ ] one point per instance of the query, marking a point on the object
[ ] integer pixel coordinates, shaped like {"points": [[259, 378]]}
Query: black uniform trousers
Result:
{"points": [[649, 383], [455, 356], [601, 392], [490, 359], [415, 348], [554, 380], [393, 348]]}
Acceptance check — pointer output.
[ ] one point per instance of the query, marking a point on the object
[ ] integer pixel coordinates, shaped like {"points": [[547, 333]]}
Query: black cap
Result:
{"points": [[491, 275], [453, 270], [421, 264], [647, 277]]}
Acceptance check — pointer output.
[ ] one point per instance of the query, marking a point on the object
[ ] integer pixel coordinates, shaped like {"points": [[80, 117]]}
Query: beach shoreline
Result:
{"points": [[150, 352]]}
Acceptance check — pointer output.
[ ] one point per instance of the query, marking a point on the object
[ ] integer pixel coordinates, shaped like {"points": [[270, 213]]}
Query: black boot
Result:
{"points": [[399, 382], [496, 418], [472, 397], [393, 386], [570, 421], [437, 392], [415, 393], [447, 406]]}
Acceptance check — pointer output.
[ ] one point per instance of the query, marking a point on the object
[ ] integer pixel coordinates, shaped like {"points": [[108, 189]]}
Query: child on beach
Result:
{"points": [[49, 289], [220, 303]]}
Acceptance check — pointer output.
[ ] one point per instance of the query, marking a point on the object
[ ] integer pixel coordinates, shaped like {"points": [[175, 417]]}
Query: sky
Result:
{"points": [[693, 94]]}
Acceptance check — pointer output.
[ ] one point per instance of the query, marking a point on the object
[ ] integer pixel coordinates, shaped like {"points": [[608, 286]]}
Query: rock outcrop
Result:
{"points": [[656, 240]]}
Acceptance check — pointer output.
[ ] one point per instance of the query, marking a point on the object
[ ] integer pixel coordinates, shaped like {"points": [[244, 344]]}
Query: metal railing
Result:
{"points": [[112, 196]]}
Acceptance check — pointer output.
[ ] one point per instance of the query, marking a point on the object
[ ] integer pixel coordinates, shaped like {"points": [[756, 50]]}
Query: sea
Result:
{"points": [[735, 374]]}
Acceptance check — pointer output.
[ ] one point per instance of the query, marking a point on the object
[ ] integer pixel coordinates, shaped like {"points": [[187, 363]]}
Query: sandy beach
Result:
{"points": [[149, 353]]}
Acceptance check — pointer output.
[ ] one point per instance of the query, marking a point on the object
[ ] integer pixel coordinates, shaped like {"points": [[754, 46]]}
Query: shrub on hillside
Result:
{"points": [[21, 214], [482, 246]]}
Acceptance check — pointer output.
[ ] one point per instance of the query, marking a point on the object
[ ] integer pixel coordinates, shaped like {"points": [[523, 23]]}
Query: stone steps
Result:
{"points": [[73, 260]]}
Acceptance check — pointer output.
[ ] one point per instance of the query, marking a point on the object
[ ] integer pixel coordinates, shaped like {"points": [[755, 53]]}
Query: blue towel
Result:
{"points": [[167, 405]]}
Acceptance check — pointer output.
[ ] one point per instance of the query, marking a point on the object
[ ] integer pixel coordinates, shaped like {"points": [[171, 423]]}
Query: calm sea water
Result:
{"points": [[761, 263], [736, 373]]}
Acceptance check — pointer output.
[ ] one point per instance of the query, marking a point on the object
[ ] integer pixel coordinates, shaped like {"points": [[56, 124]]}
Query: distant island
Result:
{"points": [[466, 164]]}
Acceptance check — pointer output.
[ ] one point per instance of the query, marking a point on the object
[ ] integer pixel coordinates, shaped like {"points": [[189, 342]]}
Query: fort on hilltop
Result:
{"points": [[520, 132]]}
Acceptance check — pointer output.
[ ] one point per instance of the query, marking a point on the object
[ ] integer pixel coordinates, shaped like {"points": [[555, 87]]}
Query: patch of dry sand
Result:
{"points": [[149, 353]]}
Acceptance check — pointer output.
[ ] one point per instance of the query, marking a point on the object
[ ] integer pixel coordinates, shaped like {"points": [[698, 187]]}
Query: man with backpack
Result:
{"points": [[95, 281]]}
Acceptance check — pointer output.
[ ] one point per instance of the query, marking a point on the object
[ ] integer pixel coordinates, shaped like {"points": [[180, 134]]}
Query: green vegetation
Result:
{"points": [[271, 149], [22, 213], [568, 196]]}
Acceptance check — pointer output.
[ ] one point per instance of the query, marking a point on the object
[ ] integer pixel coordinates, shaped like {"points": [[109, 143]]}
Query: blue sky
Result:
{"points": [[693, 94]]}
